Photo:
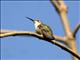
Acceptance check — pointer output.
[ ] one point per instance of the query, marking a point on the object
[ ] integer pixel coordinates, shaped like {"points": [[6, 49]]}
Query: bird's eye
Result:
{"points": [[38, 20]]}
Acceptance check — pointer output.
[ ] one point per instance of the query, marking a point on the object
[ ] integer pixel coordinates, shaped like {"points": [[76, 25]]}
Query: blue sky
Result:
{"points": [[13, 15]]}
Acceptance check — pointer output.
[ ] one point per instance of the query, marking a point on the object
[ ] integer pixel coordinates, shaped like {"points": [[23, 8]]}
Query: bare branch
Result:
{"points": [[76, 29], [16, 33], [6, 33], [62, 9], [59, 5], [65, 48]]}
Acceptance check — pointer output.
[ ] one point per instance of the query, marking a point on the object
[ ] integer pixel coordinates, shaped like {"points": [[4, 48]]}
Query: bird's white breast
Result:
{"points": [[36, 25]]}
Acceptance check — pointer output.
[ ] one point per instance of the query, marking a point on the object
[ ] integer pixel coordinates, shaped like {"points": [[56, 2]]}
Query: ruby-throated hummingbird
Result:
{"points": [[42, 29]]}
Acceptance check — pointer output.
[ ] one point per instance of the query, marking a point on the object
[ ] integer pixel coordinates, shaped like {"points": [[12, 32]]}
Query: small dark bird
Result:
{"points": [[42, 29]]}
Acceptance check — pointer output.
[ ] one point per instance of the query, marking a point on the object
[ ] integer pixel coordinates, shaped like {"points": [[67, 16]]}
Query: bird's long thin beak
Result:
{"points": [[30, 19]]}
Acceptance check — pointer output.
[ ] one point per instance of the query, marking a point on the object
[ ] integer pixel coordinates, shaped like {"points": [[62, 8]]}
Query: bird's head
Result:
{"points": [[36, 22]]}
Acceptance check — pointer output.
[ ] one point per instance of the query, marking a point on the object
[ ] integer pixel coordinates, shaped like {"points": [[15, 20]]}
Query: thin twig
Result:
{"points": [[76, 29]]}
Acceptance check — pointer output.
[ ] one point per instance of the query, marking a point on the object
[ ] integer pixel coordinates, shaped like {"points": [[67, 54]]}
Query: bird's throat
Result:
{"points": [[36, 25]]}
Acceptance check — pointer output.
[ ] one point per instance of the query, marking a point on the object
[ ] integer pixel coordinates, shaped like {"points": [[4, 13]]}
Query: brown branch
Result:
{"points": [[65, 48], [61, 8], [76, 29], [22, 33], [6, 33], [59, 5]]}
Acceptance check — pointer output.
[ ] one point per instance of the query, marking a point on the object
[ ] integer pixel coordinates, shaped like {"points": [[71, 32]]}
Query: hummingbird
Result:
{"points": [[42, 29]]}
